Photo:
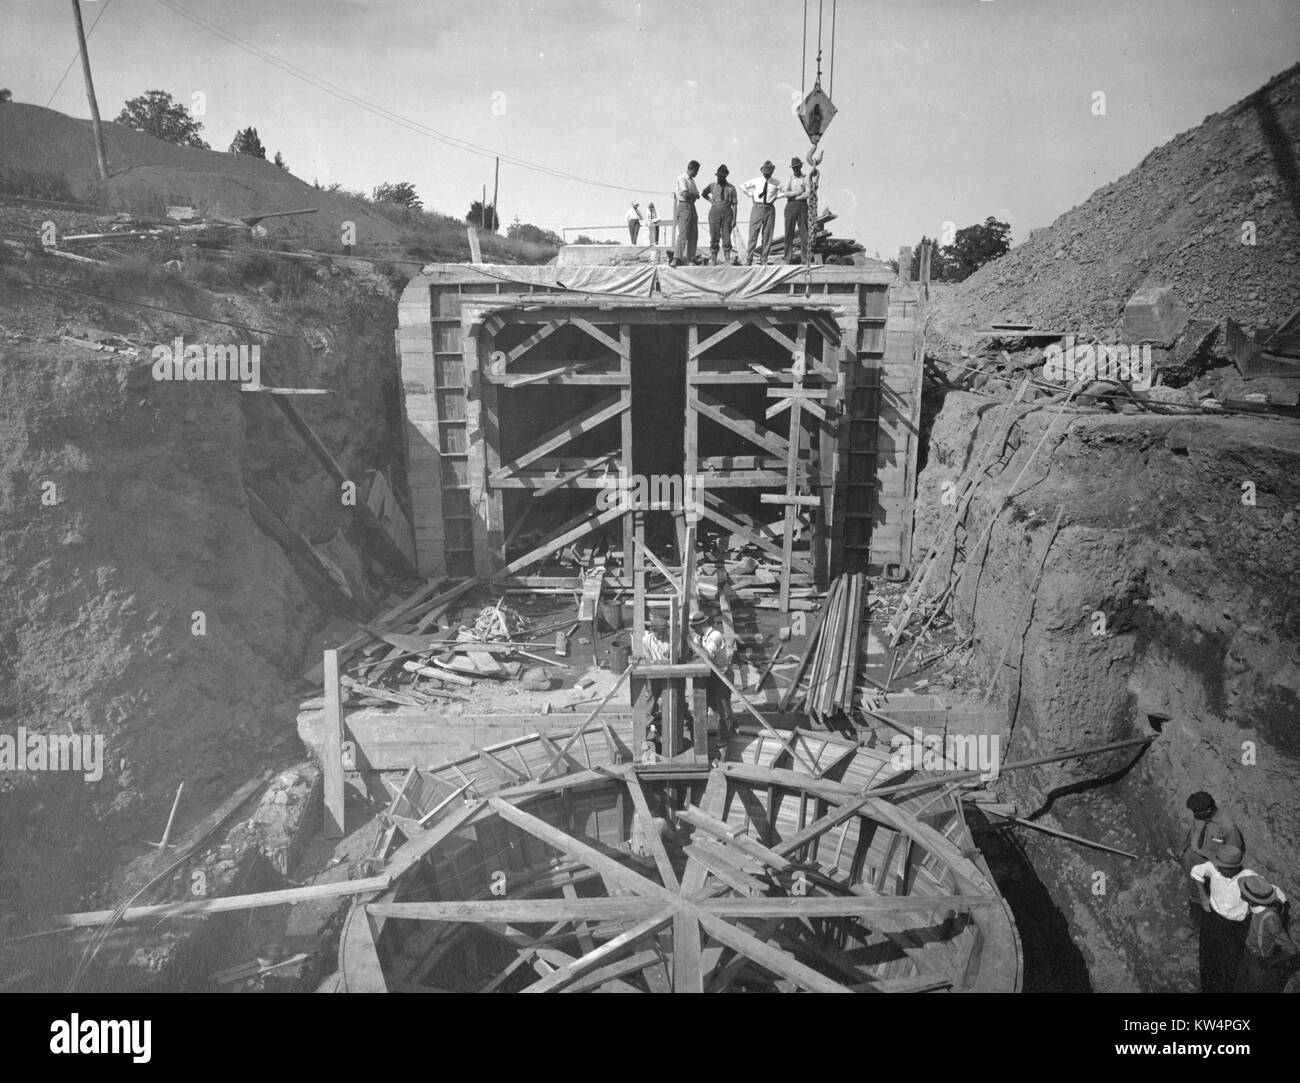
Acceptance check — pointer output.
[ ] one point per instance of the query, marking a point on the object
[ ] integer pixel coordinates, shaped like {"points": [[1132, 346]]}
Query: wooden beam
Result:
{"points": [[603, 954], [534, 339], [774, 959], [652, 836], [581, 729], [517, 911], [631, 965], [332, 749], [697, 349], [731, 418], [836, 906], [620, 348], [562, 434], [687, 976], [225, 903], [582, 524]]}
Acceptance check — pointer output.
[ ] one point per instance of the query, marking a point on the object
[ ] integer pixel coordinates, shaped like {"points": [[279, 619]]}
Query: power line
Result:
{"points": [[419, 128], [78, 53]]}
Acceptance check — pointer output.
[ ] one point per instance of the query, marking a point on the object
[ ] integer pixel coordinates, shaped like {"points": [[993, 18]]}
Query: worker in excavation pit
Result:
{"points": [[1210, 829], [710, 641], [686, 222], [723, 198], [1225, 921], [654, 649], [1271, 955]]}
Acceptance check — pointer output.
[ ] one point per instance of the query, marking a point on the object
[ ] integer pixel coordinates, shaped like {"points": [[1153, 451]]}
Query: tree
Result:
{"points": [[525, 231], [975, 246], [157, 113], [246, 142], [6, 95], [480, 215], [402, 193], [279, 160], [938, 264]]}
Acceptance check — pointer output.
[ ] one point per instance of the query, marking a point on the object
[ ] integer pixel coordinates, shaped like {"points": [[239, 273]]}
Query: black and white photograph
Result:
{"points": [[594, 496]]}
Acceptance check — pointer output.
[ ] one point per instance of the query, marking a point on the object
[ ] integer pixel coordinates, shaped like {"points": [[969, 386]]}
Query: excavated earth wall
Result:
{"points": [[1197, 588]]}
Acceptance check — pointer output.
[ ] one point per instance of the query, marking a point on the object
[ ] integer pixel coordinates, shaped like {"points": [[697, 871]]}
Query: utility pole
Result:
{"points": [[496, 188], [482, 210], [90, 92]]}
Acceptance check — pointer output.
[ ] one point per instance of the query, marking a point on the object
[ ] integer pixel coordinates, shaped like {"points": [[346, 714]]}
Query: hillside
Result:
{"points": [[148, 174], [1176, 219]]}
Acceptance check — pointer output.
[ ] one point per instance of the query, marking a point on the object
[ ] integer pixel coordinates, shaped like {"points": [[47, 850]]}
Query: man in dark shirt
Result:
{"points": [[721, 195]]}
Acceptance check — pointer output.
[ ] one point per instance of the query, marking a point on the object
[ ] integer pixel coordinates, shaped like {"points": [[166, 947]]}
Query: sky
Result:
{"points": [[949, 110]]}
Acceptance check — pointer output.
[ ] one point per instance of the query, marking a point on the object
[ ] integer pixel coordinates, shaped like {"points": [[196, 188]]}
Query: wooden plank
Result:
{"points": [[650, 832], [697, 348], [332, 749], [517, 911], [562, 434], [584, 523], [631, 965], [605, 953], [221, 904], [774, 959], [532, 340], [835, 906], [687, 976], [731, 418]]}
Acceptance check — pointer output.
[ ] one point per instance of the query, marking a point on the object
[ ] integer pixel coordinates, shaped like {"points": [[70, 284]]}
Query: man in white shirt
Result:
{"points": [[654, 648], [711, 641], [652, 223], [1223, 929], [687, 223], [633, 219], [762, 219], [795, 190]]}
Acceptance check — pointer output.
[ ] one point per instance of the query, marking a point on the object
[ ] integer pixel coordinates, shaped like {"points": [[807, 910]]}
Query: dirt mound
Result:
{"points": [[1176, 220], [146, 175], [148, 524]]}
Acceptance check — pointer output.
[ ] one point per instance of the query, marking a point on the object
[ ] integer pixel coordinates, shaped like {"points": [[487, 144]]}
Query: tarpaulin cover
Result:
{"points": [[636, 281], [724, 283]]}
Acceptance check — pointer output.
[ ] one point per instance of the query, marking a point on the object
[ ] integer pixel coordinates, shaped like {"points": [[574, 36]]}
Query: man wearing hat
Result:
{"points": [[795, 190], [722, 214], [1224, 923], [1270, 953], [633, 218], [714, 647], [652, 223], [764, 192], [654, 648], [685, 220], [1210, 829]]}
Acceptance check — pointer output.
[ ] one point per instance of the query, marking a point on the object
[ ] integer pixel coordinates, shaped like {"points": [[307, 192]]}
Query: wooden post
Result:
{"points": [[332, 748], [90, 92], [496, 187], [925, 269], [905, 264], [671, 704]]}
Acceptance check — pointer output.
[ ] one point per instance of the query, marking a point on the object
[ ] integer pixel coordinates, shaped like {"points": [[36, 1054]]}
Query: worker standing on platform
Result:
{"points": [[652, 223], [762, 219], [654, 649], [714, 646], [795, 191], [686, 221], [722, 199], [633, 218]]}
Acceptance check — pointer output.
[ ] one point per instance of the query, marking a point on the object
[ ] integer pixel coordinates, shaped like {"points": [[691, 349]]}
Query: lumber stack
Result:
{"points": [[831, 660]]}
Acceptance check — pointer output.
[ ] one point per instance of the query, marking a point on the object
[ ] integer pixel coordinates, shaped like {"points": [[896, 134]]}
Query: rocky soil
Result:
{"points": [[1177, 219], [1200, 647]]}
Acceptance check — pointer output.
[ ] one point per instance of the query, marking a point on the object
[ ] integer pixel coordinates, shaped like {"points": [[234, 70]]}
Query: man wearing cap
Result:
{"points": [[722, 214], [795, 190], [1270, 953], [1210, 829], [764, 192], [685, 220], [654, 648], [633, 218], [1224, 924], [652, 223], [711, 642]]}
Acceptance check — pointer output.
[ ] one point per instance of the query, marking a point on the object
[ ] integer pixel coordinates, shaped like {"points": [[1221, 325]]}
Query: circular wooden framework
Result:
{"points": [[800, 862]]}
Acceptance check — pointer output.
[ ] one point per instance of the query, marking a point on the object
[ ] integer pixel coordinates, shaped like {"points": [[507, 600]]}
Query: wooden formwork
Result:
{"points": [[479, 343]]}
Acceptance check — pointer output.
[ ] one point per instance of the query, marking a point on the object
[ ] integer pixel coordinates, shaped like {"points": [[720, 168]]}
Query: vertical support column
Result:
{"points": [[671, 703], [478, 440], [692, 476], [632, 558], [492, 448], [332, 749], [792, 465]]}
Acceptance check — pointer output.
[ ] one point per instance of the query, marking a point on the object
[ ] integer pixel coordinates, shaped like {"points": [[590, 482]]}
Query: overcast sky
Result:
{"points": [[948, 109]]}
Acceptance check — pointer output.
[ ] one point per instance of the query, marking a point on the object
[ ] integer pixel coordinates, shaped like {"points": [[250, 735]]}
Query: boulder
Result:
{"points": [[1154, 314]]}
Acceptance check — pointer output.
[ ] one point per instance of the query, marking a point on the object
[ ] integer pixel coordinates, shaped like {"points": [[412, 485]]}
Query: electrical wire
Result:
{"points": [[77, 54], [319, 83]]}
